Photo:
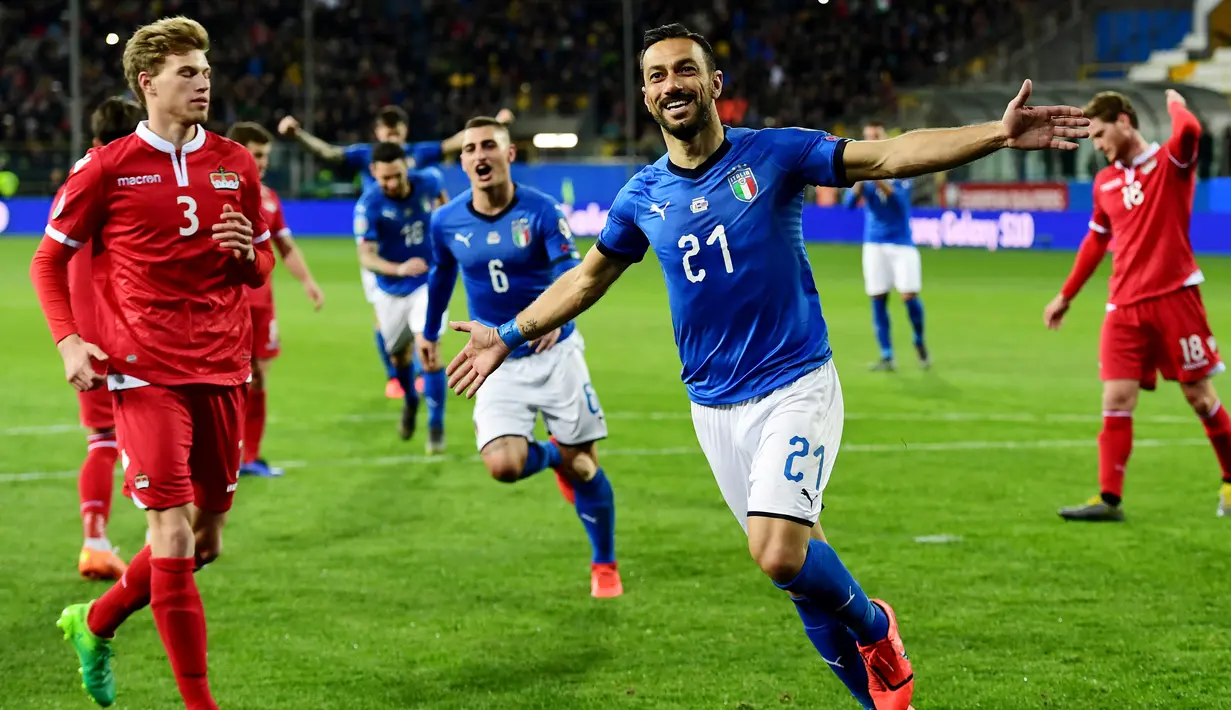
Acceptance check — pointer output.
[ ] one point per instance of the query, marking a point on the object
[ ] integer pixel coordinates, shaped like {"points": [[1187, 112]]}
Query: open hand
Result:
{"points": [[482, 355], [1042, 127]]}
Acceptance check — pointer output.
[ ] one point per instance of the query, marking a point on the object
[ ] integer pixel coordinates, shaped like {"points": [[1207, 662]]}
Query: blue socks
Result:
{"points": [[837, 648], [880, 322], [406, 378], [595, 503], [826, 583], [539, 455], [390, 370], [434, 386], [914, 307]]}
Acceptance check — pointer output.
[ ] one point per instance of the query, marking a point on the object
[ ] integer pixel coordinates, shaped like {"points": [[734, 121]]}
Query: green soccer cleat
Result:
{"points": [[94, 653]]}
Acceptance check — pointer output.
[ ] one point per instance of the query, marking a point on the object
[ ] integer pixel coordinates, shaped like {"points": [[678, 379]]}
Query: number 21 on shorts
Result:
{"points": [[802, 449]]}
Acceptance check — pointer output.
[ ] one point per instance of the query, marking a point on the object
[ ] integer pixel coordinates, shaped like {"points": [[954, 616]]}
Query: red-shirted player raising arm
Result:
{"points": [[265, 344], [169, 214], [1155, 319]]}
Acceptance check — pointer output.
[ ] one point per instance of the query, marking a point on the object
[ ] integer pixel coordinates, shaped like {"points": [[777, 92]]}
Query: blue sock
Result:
{"points": [[539, 455], [595, 502], [837, 648], [406, 377], [914, 307], [434, 390], [826, 583], [880, 321], [390, 370]]}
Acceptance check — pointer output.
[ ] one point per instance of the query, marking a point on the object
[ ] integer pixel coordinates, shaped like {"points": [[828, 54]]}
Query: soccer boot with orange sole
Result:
{"points": [[1096, 510], [100, 564], [891, 680], [393, 389], [605, 581]]}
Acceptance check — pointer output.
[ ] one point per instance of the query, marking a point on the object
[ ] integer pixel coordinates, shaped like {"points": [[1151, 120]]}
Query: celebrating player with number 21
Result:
{"points": [[722, 212]]}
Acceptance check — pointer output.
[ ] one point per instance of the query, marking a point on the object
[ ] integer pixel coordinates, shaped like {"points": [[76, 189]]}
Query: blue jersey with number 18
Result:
{"points": [[728, 236]]}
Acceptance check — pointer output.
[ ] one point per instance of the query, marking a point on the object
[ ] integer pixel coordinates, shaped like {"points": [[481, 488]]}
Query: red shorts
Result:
{"points": [[95, 406], [180, 444], [1168, 334], [265, 345]]}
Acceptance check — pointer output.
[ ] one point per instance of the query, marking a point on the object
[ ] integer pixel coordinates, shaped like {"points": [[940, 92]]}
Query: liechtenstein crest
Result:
{"points": [[743, 183], [521, 232]]}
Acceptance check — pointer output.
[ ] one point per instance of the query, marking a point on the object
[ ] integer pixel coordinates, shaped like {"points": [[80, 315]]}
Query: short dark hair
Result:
{"points": [[392, 117], [484, 121], [247, 132], [676, 31], [115, 118], [1108, 105], [874, 123], [387, 152]]}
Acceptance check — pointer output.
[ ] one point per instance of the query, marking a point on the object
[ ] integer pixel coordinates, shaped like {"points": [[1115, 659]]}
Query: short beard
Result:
{"points": [[688, 130]]}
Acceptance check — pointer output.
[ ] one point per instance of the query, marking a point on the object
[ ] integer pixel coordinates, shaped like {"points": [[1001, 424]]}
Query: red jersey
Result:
{"points": [[170, 303], [1142, 213], [271, 212]]}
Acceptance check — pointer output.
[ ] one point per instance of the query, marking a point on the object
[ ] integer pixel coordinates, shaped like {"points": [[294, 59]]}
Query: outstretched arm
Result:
{"points": [[935, 150], [570, 296], [289, 126]]}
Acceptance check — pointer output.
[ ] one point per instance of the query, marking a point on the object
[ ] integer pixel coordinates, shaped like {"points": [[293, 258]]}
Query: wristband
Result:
{"points": [[511, 335]]}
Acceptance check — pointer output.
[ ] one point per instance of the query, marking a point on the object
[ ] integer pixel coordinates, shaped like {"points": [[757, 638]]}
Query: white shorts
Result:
{"points": [[555, 384], [772, 455], [370, 289], [401, 318], [891, 266]]}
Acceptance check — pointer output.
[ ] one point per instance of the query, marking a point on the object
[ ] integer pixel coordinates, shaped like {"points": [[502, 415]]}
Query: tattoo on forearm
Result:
{"points": [[531, 328]]}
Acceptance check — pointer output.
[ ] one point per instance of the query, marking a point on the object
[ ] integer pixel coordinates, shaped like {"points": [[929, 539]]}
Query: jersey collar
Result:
{"points": [[160, 143], [703, 168], [1142, 157], [499, 215]]}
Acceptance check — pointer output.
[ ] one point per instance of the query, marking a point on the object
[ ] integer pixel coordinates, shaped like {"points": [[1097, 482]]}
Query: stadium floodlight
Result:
{"points": [[113, 38], [555, 140]]}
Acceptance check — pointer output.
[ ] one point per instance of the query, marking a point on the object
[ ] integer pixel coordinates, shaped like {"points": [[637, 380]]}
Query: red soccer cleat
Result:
{"points": [[393, 389], [605, 581], [891, 680], [565, 485]]}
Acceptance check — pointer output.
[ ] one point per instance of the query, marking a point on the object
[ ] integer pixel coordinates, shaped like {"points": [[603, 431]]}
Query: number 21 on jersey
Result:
{"points": [[692, 247]]}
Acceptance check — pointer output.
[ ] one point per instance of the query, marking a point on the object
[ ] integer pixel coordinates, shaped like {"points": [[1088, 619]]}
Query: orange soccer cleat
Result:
{"points": [[605, 581], [393, 389], [891, 680], [100, 564]]}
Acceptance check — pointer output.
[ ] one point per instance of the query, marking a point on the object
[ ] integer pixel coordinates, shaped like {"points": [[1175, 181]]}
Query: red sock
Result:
{"points": [[180, 618], [1218, 428], [95, 483], [254, 425], [130, 593], [1115, 443]]}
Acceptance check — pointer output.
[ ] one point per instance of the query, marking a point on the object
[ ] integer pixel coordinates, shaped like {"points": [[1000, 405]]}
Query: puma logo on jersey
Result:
{"points": [[662, 211], [224, 180], [463, 238], [138, 180]]}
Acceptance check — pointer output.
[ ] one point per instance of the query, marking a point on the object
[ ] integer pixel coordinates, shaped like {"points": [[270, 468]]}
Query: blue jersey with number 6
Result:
{"points": [[506, 260], [399, 227], [727, 234]]}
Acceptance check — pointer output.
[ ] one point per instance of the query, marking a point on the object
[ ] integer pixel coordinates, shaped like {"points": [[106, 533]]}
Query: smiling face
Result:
{"points": [[487, 153], [680, 89]]}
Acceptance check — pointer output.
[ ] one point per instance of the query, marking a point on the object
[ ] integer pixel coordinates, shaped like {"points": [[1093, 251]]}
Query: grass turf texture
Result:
{"points": [[370, 577]]}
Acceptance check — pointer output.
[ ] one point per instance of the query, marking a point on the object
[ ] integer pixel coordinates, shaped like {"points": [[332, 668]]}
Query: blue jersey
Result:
{"points": [[359, 157], [727, 234], [886, 219], [399, 227], [506, 260]]}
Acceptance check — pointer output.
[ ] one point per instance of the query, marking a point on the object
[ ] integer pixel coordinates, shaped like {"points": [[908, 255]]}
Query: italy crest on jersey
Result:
{"points": [[743, 184], [521, 232]]}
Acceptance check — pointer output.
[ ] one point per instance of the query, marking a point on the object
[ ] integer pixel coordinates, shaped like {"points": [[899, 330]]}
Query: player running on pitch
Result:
{"points": [[265, 343], [510, 242], [722, 212], [1155, 319], [168, 214]]}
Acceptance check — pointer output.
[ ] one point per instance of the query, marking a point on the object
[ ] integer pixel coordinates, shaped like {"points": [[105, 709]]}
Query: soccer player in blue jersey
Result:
{"points": [[392, 125], [890, 257], [722, 212], [391, 224], [510, 243]]}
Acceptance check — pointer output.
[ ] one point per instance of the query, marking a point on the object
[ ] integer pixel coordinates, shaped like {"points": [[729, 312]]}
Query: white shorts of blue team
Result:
{"points": [[555, 384], [888, 267], [401, 318], [370, 289], [772, 456]]}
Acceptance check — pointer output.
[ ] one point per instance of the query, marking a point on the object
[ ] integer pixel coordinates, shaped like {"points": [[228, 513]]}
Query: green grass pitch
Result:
{"points": [[370, 577]]}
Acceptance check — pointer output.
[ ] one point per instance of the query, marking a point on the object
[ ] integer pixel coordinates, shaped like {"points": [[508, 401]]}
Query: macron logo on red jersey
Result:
{"points": [[224, 180], [138, 180]]}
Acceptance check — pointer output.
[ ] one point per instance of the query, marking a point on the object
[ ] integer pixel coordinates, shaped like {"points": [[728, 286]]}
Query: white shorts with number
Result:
{"points": [[401, 318], [772, 455], [370, 289], [555, 384], [891, 266]]}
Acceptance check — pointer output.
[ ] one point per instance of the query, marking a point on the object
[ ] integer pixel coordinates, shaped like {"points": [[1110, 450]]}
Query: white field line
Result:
{"points": [[921, 447]]}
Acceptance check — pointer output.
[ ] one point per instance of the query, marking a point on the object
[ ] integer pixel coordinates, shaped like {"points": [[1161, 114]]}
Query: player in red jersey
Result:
{"points": [[168, 214], [265, 345], [1155, 319], [113, 119]]}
